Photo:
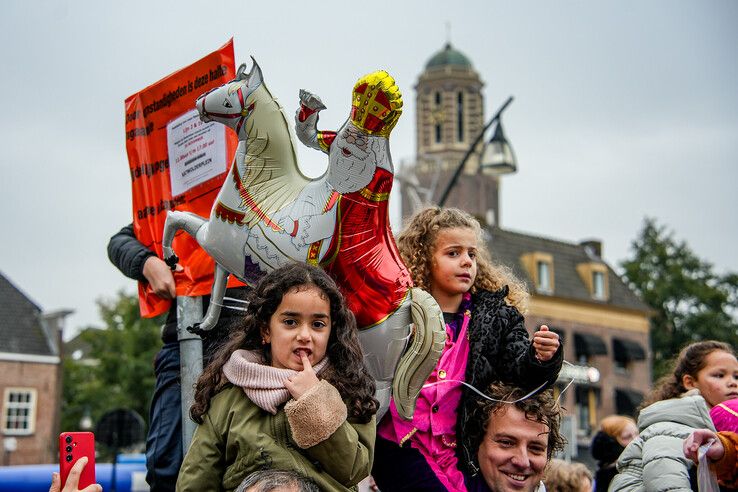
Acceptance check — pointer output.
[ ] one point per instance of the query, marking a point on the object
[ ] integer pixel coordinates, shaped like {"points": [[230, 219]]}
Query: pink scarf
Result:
{"points": [[263, 384]]}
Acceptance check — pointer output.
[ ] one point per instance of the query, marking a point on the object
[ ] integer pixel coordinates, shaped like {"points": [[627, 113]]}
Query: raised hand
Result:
{"points": [[545, 343], [160, 277], [298, 384]]}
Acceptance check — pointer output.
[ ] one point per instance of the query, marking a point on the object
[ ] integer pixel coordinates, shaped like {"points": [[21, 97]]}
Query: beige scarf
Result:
{"points": [[263, 384]]}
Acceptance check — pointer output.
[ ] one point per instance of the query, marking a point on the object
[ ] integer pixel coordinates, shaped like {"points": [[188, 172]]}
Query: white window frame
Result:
{"points": [[598, 288], [29, 418], [543, 276]]}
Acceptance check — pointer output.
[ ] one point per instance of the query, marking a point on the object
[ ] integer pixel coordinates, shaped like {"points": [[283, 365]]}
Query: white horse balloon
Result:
{"points": [[268, 214]]}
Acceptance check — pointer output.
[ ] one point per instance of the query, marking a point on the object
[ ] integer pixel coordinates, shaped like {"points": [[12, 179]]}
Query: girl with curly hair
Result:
{"points": [[486, 342], [288, 391]]}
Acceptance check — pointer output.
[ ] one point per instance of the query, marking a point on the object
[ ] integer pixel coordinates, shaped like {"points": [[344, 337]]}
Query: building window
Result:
{"points": [[587, 398], [598, 285], [625, 351], [543, 272], [540, 268], [460, 116], [627, 401], [437, 114], [594, 277], [19, 411], [587, 345]]}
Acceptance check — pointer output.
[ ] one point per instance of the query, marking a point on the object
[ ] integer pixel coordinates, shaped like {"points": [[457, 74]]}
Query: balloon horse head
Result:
{"points": [[268, 214]]}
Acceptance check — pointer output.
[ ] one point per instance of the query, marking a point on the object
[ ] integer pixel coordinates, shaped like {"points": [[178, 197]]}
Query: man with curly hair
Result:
{"points": [[515, 438]]}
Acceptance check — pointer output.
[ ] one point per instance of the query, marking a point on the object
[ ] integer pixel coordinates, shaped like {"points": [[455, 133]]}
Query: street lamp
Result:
{"points": [[497, 155]]}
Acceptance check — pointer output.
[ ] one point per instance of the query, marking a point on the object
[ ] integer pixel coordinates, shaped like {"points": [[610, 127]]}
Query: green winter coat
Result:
{"points": [[237, 438]]}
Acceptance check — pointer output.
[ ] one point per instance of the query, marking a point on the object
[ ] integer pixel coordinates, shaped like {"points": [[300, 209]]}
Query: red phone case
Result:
{"points": [[73, 446]]}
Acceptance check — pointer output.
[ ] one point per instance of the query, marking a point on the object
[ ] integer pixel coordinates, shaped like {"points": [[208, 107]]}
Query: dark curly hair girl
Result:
{"points": [[691, 360], [347, 371]]}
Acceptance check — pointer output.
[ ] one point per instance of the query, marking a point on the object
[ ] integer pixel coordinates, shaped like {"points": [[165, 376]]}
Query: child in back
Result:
{"points": [[486, 342], [289, 391], [705, 375], [616, 432]]}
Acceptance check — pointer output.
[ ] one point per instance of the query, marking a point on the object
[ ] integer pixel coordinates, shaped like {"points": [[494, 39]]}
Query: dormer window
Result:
{"points": [[540, 268], [543, 277], [594, 277], [598, 285]]}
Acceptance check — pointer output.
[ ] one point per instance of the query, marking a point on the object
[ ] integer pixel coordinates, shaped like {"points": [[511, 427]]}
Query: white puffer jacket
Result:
{"points": [[655, 462]]}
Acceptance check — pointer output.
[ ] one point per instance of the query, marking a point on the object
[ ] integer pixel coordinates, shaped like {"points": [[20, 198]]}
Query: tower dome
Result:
{"points": [[448, 56]]}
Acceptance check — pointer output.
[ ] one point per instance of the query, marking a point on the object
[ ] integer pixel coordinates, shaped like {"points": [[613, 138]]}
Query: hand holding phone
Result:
{"points": [[72, 447]]}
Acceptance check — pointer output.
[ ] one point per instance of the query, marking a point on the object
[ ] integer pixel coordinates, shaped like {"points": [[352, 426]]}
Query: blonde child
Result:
{"points": [[616, 432], [705, 374], [486, 342], [289, 391]]}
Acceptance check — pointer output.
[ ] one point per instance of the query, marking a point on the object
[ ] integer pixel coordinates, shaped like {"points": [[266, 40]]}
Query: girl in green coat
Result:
{"points": [[288, 391]]}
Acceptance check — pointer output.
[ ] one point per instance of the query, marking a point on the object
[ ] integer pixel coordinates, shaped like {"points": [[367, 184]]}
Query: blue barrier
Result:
{"points": [[130, 476]]}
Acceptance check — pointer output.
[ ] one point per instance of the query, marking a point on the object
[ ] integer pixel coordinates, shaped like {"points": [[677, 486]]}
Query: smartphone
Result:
{"points": [[73, 446]]}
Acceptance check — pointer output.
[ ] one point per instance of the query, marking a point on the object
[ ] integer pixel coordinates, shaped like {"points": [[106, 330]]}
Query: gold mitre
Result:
{"points": [[376, 103]]}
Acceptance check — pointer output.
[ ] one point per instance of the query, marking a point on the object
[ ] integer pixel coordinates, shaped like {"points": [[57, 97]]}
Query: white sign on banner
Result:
{"points": [[197, 151]]}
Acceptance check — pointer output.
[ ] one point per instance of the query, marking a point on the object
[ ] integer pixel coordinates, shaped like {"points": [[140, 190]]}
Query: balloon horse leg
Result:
{"points": [[197, 227]]}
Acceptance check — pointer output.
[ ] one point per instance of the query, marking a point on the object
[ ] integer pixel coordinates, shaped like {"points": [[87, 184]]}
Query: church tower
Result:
{"points": [[449, 116]]}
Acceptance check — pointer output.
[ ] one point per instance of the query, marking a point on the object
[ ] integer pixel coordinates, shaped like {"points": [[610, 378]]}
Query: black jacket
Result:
{"points": [[500, 350], [128, 255]]}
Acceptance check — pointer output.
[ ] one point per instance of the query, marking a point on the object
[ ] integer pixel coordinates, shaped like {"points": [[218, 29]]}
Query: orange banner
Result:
{"points": [[170, 150]]}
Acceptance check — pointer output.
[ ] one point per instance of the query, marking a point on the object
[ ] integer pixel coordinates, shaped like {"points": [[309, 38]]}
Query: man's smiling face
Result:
{"points": [[512, 455]]}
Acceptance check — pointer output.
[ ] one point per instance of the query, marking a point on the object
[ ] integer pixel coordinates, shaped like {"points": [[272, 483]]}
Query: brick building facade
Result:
{"points": [[30, 378]]}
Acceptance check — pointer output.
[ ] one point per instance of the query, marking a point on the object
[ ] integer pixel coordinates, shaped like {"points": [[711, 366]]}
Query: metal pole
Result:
{"points": [[189, 312], [469, 152]]}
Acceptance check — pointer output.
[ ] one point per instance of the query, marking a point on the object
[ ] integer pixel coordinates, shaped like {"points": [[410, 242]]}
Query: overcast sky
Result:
{"points": [[622, 109]]}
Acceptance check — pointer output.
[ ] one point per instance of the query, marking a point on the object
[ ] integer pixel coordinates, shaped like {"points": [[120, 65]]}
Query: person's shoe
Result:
{"points": [[418, 362]]}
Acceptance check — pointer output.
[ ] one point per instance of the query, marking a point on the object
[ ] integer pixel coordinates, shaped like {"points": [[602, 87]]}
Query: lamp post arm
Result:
{"points": [[469, 152]]}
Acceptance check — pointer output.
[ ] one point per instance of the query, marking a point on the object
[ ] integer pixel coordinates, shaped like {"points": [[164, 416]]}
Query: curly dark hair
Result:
{"points": [[347, 371], [689, 362], [542, 407]]}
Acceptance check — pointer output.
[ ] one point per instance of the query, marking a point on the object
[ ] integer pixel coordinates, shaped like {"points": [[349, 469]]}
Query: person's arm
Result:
{"points": [[136, 261], [128, 254], [716, 451], [726, 467], [518, 361], [318, 423], [721, 453], [203, 466]]}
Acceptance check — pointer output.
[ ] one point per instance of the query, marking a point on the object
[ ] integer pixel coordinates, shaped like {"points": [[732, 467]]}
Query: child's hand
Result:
{"points": [[697, 439], [303, 380], [545, 343]]}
